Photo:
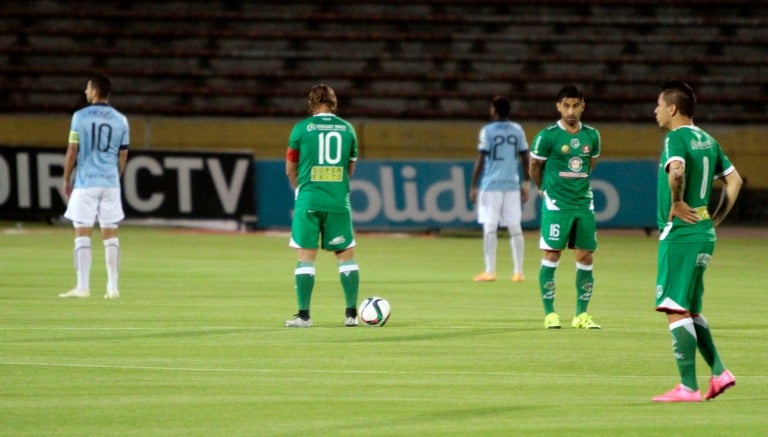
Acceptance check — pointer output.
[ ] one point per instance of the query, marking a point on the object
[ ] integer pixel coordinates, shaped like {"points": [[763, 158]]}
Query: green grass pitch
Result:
{"points": [[196, 347]]}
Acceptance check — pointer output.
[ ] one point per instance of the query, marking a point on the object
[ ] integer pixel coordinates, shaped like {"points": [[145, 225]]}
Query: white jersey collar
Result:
{"points": [[562, 126]]}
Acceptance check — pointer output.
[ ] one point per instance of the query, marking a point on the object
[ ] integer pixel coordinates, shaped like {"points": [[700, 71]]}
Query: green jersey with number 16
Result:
{"points": [[565, 178], [326, 144], [705, 162]]}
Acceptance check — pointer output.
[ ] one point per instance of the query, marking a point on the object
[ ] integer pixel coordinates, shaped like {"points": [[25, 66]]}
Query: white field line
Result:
{"points": [[345, 371]]}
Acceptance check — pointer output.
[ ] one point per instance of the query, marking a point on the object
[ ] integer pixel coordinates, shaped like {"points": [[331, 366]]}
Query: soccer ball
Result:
{"points": [[374, 311]]}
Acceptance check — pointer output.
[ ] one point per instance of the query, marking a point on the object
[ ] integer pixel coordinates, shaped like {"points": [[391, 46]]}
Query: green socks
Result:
{"points": [[547, 285], [350, 281], [584, 283], [305, 282], [707, 345], [684, 347]]}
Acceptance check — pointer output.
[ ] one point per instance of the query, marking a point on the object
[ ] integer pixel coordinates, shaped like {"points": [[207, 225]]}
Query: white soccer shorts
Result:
{"points": [[87, 204], [502, 207]]}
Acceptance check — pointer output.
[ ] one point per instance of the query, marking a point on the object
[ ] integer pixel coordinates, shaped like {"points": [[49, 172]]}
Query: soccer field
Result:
{"points": [[195, 345]]}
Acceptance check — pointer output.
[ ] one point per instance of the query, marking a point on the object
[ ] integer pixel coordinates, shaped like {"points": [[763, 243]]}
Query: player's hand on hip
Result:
{"points": [[684, 212]]}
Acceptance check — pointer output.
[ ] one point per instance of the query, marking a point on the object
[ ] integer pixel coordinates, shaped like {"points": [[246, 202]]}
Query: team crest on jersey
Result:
{"points": [[311, 127], [574, 164], [565, 149], [585, 149]]}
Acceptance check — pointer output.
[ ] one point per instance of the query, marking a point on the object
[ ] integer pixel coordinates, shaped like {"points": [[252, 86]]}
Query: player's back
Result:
{"points": [[502, 142], [101, 131], [704, 162], [326, 144]]}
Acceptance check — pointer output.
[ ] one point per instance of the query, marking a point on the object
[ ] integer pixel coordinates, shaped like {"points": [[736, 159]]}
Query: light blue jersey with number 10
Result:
{"points": [[100, 132]]}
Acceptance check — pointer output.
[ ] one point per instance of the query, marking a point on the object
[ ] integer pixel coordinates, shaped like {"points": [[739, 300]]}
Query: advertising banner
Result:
{"points": [[176, 185], [391, 195]]}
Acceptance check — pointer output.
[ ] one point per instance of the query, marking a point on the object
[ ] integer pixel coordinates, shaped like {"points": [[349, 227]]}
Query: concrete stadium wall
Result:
{"points": [[379, 139]]}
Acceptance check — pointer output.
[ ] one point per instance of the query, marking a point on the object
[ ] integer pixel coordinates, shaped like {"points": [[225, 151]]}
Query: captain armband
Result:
{"points": [[292, 155]]}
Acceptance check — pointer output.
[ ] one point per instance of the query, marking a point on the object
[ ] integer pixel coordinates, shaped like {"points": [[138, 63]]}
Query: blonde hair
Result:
{"points": [[321, 95]]}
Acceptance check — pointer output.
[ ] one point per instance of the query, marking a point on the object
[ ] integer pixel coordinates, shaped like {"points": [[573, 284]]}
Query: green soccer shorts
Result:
{"points": [[333, 230], [572, 229], [680, 277]]}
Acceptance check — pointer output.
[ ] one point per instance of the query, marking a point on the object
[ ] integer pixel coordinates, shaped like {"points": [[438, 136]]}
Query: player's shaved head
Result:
{"points": [[101, 84], [681, 95]]}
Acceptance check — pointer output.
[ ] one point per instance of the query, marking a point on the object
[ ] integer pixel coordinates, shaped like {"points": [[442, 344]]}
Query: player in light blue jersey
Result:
{"points": [[96, 156], [496, 187]]}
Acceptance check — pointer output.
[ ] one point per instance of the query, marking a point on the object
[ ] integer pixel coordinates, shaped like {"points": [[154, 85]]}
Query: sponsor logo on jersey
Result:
{"points": [[702, 145], [575, 164], [311, 127], [701, 142]]}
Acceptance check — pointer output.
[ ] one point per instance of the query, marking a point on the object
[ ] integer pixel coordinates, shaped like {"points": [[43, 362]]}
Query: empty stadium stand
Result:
{"points": [[420, 59]]}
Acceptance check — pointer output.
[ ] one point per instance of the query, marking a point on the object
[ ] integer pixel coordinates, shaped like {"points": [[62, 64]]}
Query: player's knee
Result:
{"points": [[584, 257]]}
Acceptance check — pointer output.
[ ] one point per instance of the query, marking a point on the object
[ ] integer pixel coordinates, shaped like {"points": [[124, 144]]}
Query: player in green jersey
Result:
{"points": [[690, 162], [563, 156], [321, 156]]}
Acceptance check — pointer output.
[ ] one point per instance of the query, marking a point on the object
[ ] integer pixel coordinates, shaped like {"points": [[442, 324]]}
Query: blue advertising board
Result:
{"points": [[392, 195]]}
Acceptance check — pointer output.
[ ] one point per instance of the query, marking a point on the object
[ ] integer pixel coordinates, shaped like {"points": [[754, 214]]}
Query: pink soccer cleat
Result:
{"points": [[719, 384], [679, 394]]}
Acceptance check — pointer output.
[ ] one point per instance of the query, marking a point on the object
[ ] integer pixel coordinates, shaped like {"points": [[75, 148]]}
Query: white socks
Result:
{"points": [[517, 242], [490, 243], [83, 262], [83, 257], [112, 258]]}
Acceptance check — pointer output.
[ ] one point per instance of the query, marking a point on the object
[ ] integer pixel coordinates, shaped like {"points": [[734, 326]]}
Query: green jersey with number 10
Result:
{"points": [[568, 156], [705, 162], [326, 144]]}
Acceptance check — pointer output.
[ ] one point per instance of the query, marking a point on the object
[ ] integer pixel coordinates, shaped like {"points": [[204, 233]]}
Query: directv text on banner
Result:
{"points": [[155, 184]]}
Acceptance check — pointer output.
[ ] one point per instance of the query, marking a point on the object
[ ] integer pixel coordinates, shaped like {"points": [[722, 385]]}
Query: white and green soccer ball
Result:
{"points": [[374, 311]]}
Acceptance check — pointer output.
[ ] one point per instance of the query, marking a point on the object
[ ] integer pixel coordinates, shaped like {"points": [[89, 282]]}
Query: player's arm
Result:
{"points": [[70, 162], [536, 172], [525, 161], [122, 158], [592, 163], [477, 170], [351, 167], [731, 190], [292, 167], [676, 179]]}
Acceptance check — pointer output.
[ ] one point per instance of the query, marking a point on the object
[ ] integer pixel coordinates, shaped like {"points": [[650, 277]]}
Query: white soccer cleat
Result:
{"points": [[298, 322], [350, 321], [75, 293], [112, 294]]}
